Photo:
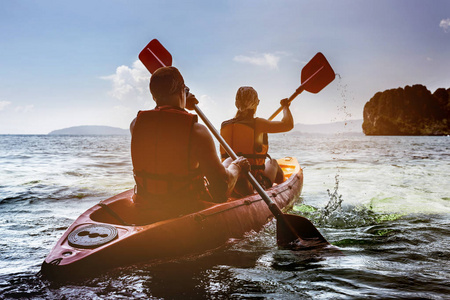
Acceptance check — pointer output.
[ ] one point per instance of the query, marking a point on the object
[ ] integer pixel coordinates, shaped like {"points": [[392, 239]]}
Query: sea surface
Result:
{"points": [[384, 201]]}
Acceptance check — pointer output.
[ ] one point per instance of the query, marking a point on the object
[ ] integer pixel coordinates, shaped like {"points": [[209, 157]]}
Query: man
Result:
{"points": [[172, 153]]}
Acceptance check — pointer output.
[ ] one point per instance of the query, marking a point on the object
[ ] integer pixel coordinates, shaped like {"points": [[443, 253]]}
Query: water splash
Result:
{"points": [[346, 96], [336, 215], [335, 200]]}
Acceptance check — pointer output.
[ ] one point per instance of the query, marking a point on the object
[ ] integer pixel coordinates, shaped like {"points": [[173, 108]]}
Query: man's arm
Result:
{"points": [[132, 125], [222, 180]]}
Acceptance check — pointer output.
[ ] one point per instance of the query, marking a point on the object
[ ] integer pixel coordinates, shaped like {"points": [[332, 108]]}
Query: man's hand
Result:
{"points": [[243, 164], [191, 101]]}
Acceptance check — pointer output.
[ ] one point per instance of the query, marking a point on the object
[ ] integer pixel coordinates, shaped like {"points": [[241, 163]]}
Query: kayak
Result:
{"points": [[114, 233], [109, 234]]}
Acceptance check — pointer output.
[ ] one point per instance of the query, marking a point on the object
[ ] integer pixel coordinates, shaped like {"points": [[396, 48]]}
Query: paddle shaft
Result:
{"points": [[300, 89], [289, 227], [272, 206], [282, 222]]}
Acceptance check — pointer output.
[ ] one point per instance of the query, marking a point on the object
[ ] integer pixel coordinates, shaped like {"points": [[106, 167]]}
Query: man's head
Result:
{"points": [[166, 84], [246, 98]]}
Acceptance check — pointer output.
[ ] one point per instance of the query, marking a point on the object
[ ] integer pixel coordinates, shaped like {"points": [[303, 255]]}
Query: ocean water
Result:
{"points": [[384, 201]]}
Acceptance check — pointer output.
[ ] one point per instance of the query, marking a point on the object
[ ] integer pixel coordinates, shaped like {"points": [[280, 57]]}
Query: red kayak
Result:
{"points": [[108, 235]]}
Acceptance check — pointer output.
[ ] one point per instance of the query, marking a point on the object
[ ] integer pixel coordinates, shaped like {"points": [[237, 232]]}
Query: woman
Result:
{"points": [[247, 136]]}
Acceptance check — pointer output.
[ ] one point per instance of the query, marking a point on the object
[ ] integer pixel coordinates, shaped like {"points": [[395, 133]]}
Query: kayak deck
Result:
{"points": [[114, 233]]}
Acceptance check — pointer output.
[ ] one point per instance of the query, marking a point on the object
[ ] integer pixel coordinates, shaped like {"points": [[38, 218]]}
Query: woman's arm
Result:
{"points": [[286, 123]]}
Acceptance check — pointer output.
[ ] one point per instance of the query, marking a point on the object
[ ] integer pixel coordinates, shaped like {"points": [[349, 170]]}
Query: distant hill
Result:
{"points": [[91, 130], [351, 126]]}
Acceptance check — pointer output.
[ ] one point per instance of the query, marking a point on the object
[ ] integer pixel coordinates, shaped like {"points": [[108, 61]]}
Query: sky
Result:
{"points": [[71, 63]]}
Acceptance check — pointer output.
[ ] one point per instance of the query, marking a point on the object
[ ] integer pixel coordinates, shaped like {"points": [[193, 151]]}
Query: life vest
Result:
{"points": [[160, 153], [240, 136]]}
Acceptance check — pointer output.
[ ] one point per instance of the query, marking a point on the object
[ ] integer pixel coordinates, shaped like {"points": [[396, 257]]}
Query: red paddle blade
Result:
{"points": [[155, 56], [298, 233], [317, 74]]}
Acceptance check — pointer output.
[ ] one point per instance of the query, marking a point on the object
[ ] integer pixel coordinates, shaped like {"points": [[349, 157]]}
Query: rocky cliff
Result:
{"points": [[408, 111]]}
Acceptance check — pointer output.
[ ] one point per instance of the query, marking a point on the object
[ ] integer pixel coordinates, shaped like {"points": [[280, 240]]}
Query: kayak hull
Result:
{"points": [[191, 234]]}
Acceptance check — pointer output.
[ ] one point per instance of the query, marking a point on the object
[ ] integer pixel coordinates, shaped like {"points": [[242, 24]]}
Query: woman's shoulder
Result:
{"points": [[230, 121], [244, 121], [259, 121]]}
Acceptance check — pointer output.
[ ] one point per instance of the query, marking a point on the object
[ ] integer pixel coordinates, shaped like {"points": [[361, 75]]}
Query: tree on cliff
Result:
{"points": [[408, 111]]}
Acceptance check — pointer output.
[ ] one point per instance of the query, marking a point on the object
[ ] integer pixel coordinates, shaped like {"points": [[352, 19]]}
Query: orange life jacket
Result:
{"points": [[160, 153], [240, 136]]}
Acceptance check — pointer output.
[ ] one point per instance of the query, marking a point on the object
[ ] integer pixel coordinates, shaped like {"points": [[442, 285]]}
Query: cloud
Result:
{"points": [[25, 108], [130, 84], [445, 24], [4, 104], [264, 60], [19, 109]]}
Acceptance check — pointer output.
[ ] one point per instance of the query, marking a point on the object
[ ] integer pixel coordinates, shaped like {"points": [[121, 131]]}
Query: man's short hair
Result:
{"points": [[165, 82]]}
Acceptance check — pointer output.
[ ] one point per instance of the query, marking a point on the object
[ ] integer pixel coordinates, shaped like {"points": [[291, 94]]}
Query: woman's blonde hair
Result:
{"points": [[246, 101]]}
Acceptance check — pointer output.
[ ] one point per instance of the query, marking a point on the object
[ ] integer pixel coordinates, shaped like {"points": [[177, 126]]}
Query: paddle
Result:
{"points": [[316, 75], [292, 231]]}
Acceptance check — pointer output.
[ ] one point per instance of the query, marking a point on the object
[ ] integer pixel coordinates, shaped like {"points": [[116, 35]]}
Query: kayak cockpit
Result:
{"points": [[120, 212], [125, 212]]}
